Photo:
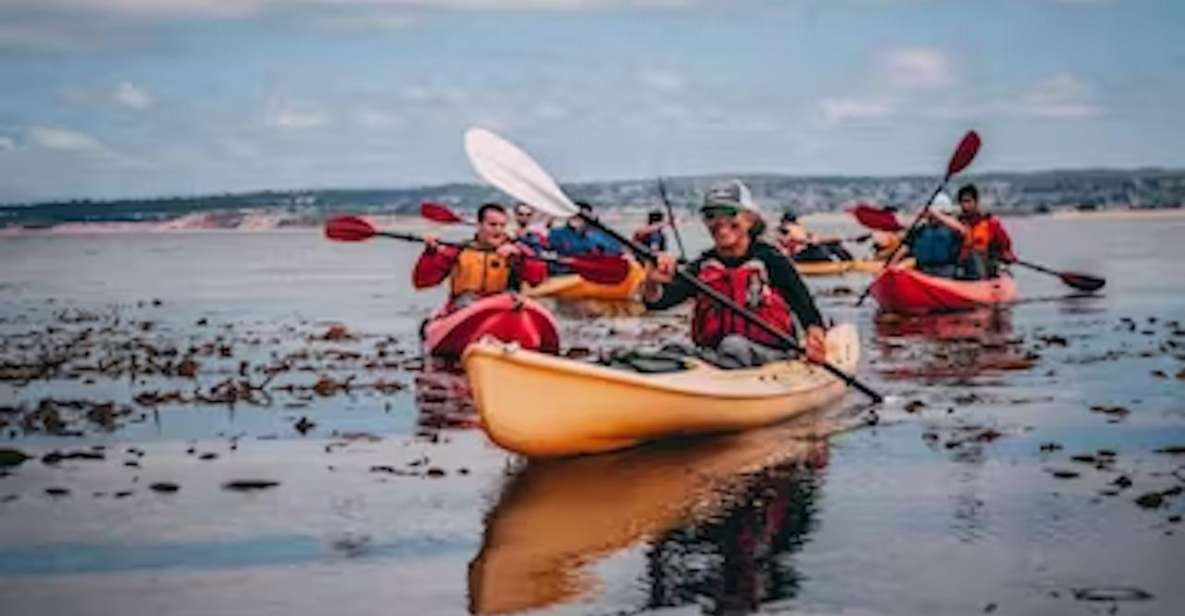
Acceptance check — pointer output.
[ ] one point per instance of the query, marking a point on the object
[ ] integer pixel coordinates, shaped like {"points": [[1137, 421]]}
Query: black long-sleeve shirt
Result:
{"points": [[782, 277]]}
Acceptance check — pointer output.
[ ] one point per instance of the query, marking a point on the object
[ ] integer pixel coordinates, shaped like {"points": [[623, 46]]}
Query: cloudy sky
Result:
{"points": [[115, 98]]}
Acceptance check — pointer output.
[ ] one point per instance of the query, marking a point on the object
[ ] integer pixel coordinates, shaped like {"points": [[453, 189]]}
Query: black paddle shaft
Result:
{"points": [[727, 302], [662, 192]]}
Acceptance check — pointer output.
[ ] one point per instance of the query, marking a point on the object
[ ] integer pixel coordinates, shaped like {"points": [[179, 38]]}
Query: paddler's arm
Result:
{"points": [[532, 271], [434, 265], [949, 221], [662, 289], [1001, 241], [784, 278]]}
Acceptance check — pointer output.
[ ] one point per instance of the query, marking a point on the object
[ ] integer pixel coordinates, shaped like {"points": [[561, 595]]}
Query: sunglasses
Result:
{"points": [[719, 211]]}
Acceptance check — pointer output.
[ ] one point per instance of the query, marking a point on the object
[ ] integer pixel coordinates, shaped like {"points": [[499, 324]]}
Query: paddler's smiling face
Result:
{"points": [[491, 231], [729, 228]]}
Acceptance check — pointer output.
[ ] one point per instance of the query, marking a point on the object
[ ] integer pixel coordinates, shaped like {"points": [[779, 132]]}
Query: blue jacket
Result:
{"points": [[566, 241], [935, 245]]}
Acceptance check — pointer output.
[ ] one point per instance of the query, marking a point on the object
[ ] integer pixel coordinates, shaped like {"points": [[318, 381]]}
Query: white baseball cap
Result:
{"points": [[730, 193], [943, 204]]}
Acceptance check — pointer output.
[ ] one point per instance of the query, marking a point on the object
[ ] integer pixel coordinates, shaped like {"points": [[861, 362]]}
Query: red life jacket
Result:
{"points": [[747, 285]]}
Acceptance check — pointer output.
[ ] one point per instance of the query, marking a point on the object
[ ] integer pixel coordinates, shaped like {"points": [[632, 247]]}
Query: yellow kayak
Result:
{"points": [[822, 268], [541, 405], [571, 286], [833, 268]]}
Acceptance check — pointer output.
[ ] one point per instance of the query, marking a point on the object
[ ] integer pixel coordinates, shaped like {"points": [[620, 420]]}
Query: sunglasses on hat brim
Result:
{"points": [[719, 211]]}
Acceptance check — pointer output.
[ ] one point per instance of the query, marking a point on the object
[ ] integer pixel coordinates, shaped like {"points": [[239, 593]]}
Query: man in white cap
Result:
{"points": [[749, 271], [935, 244]]}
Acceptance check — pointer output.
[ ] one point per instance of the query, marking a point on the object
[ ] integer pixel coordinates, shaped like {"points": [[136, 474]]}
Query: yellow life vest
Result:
{"points": [[480, 272]]}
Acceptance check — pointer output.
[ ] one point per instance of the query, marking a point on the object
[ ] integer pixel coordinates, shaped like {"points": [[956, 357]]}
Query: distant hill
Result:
{"points": [[1008, 192]]}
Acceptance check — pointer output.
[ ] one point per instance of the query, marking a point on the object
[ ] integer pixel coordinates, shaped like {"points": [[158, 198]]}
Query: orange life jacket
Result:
{"points": [[480, 272], [978, 237], [747, 285]]}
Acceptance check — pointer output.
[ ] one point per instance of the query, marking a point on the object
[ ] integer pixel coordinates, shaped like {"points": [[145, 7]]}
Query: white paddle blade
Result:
{"points": [[512, 171]]}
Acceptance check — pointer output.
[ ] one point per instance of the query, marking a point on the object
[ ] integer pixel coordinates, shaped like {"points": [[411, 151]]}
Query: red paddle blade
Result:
{"points": [[438, 212], [876, 218], [601, 269], [348, 229], [964, 154], [1082, 282]]}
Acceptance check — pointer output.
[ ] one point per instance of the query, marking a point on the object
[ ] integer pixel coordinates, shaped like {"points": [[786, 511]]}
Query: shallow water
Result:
{"points": [[953, 502]]}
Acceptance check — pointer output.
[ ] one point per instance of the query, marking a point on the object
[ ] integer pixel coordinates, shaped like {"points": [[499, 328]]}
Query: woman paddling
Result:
{"points": [[749, 271]]}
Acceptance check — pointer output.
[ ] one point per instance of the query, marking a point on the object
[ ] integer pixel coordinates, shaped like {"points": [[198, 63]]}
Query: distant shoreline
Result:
{"points": [[413, 223]]}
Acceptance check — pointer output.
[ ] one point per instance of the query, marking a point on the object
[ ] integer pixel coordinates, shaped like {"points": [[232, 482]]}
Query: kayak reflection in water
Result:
{"points": [[718, 537], [489, 264], [960, 345], [749, 271]]}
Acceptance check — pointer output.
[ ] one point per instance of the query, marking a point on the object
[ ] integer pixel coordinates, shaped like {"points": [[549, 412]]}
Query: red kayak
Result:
{"points": [[509, 317], [909, 291]]}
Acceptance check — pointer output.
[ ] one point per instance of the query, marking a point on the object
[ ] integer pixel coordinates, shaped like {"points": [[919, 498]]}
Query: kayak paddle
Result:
{"points": [[508, 168], [1082, 282], [662, 192], [963, 155], [600, 269], [875, 218], [438, 212]]}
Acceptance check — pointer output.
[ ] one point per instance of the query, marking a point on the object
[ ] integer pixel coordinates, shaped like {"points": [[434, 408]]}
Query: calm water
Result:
{"points": [[951, 503]]}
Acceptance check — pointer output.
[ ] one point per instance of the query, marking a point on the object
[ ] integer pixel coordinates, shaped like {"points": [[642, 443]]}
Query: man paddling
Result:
{"points": [[805, 247], [578, 239], [525, 232], [985, 242], [751, 272], [489, 264], [653, 234]]}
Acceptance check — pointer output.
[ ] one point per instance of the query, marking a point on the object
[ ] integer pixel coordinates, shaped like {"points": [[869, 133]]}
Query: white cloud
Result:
{"points": [[1061, 97], [917, 67], [661, 81], [362, 21], [63, 139], [377, 118], [7, 143], [837, 110], [128, 95], [548, 110], [295, 115]]}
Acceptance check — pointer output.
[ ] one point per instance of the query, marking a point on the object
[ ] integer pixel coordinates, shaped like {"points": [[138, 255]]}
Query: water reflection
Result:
{"points": [[982, 325], [958, 345], [444, 401], [720, 516]]}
